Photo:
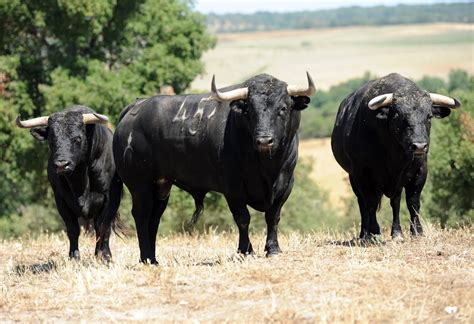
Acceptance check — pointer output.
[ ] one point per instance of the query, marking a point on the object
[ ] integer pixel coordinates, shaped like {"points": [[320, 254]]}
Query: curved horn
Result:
{"points": [[301, 90], [240, 93], [30, 123], [440, 100], [381, 101], [94, 118]]}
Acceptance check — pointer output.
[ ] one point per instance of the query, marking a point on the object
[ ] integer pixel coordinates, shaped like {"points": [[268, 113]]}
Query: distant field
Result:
{"points": [[335, 55], [201, 278]]}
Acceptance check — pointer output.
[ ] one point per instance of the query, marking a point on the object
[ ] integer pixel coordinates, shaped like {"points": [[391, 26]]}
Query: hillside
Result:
{"points": [[335, 55], [347, 16], [201, 278]]}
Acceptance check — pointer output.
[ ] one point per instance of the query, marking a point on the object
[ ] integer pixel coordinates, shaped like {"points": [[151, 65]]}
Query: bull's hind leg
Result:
{"points": [[102, 248], [369, 199], [142, 200], [160, 201], [242, 219], [396, 232], [159, 207]]}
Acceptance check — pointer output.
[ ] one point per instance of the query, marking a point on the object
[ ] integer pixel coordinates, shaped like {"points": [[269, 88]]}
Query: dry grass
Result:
{"points": [[202, 278], [336, 54]]}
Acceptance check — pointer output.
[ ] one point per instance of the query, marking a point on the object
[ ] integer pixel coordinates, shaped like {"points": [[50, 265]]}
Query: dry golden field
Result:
{"points": [[326, 172], [201, 278], [337, 54]]}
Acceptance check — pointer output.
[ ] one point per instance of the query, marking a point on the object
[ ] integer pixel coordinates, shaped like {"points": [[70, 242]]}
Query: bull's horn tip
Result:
{"points": [[213, 84], [311, 82], [101, 117], [18, 121], [457, 103]]}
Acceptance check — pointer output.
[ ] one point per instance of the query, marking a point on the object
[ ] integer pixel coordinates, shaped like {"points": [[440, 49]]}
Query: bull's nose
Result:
{"points": [[62, 165], [419, 148], [264, 141]]}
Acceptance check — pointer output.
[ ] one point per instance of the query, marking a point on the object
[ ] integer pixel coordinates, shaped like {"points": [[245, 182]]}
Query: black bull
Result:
{"points": [[242, 143], [381, 138], [80, 169]]}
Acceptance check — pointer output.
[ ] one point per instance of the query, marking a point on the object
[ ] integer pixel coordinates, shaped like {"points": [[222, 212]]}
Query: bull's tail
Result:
{"points": [[110, 216]]}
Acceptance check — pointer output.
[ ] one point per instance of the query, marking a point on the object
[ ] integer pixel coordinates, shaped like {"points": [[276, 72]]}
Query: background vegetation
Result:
{"points": [[349, 16], [99, 53], [104, 55]]}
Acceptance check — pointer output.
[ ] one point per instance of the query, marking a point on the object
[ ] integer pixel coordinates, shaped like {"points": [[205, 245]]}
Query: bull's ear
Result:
{"points": [[40, 133], [300, 102], [440, 112], [239, 106], [382, 113]]}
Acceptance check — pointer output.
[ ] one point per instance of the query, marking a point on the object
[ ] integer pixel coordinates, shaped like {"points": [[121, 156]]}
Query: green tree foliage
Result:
{"points": [[450, 194], [99, 53], [318, 120], [348, 16]]}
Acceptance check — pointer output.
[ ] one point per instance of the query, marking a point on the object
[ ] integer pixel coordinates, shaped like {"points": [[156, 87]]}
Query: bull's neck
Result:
{"points": [[78, 183], [271, 168], [396, 160]]}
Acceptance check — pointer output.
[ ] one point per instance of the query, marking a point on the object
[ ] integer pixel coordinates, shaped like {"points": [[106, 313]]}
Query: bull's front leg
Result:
{"points": [[413, 192], [242, 219], [272, 217], [413, 204], [396, 232], [72, 226]]}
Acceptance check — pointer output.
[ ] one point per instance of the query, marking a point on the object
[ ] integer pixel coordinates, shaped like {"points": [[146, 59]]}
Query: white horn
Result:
{"points": [[30, 123], [294, 90], [381, 101], [231, 95], [94, 118], [440, 100]]}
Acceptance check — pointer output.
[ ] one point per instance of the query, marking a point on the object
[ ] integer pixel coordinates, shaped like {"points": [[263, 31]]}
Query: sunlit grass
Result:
{"points": [[200, 277]]}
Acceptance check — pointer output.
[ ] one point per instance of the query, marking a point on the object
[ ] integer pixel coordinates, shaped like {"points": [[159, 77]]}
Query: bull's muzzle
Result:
{"points": [[264, 143], [419, 148], [63, 166]]}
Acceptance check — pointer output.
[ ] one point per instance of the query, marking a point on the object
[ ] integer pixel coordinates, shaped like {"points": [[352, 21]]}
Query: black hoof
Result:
{"points": [[416, 231], [397, 236], [75, 256], [149, 261], [370, 239], [272, 251], [247, 250], [246, 253], [104, 257]]}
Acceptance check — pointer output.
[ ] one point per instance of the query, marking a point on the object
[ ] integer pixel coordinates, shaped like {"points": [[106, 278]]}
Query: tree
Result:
{"points": [[451, 174], [99, 53]]}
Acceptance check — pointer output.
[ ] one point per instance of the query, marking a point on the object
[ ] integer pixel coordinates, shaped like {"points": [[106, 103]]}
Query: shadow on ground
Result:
{"points": [[36, 268]]}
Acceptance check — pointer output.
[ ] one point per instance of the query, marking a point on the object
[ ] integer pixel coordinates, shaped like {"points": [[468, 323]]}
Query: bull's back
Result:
{"points": [[343, 131], [175, 137]]}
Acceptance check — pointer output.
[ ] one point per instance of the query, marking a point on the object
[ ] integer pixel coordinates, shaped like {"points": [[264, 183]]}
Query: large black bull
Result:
{"points": [[80, 169], [381, 138], [241, 142]]}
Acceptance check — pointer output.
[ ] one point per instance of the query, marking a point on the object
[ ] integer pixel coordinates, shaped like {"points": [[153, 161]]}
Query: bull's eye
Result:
{"points": [[282, 111]]}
